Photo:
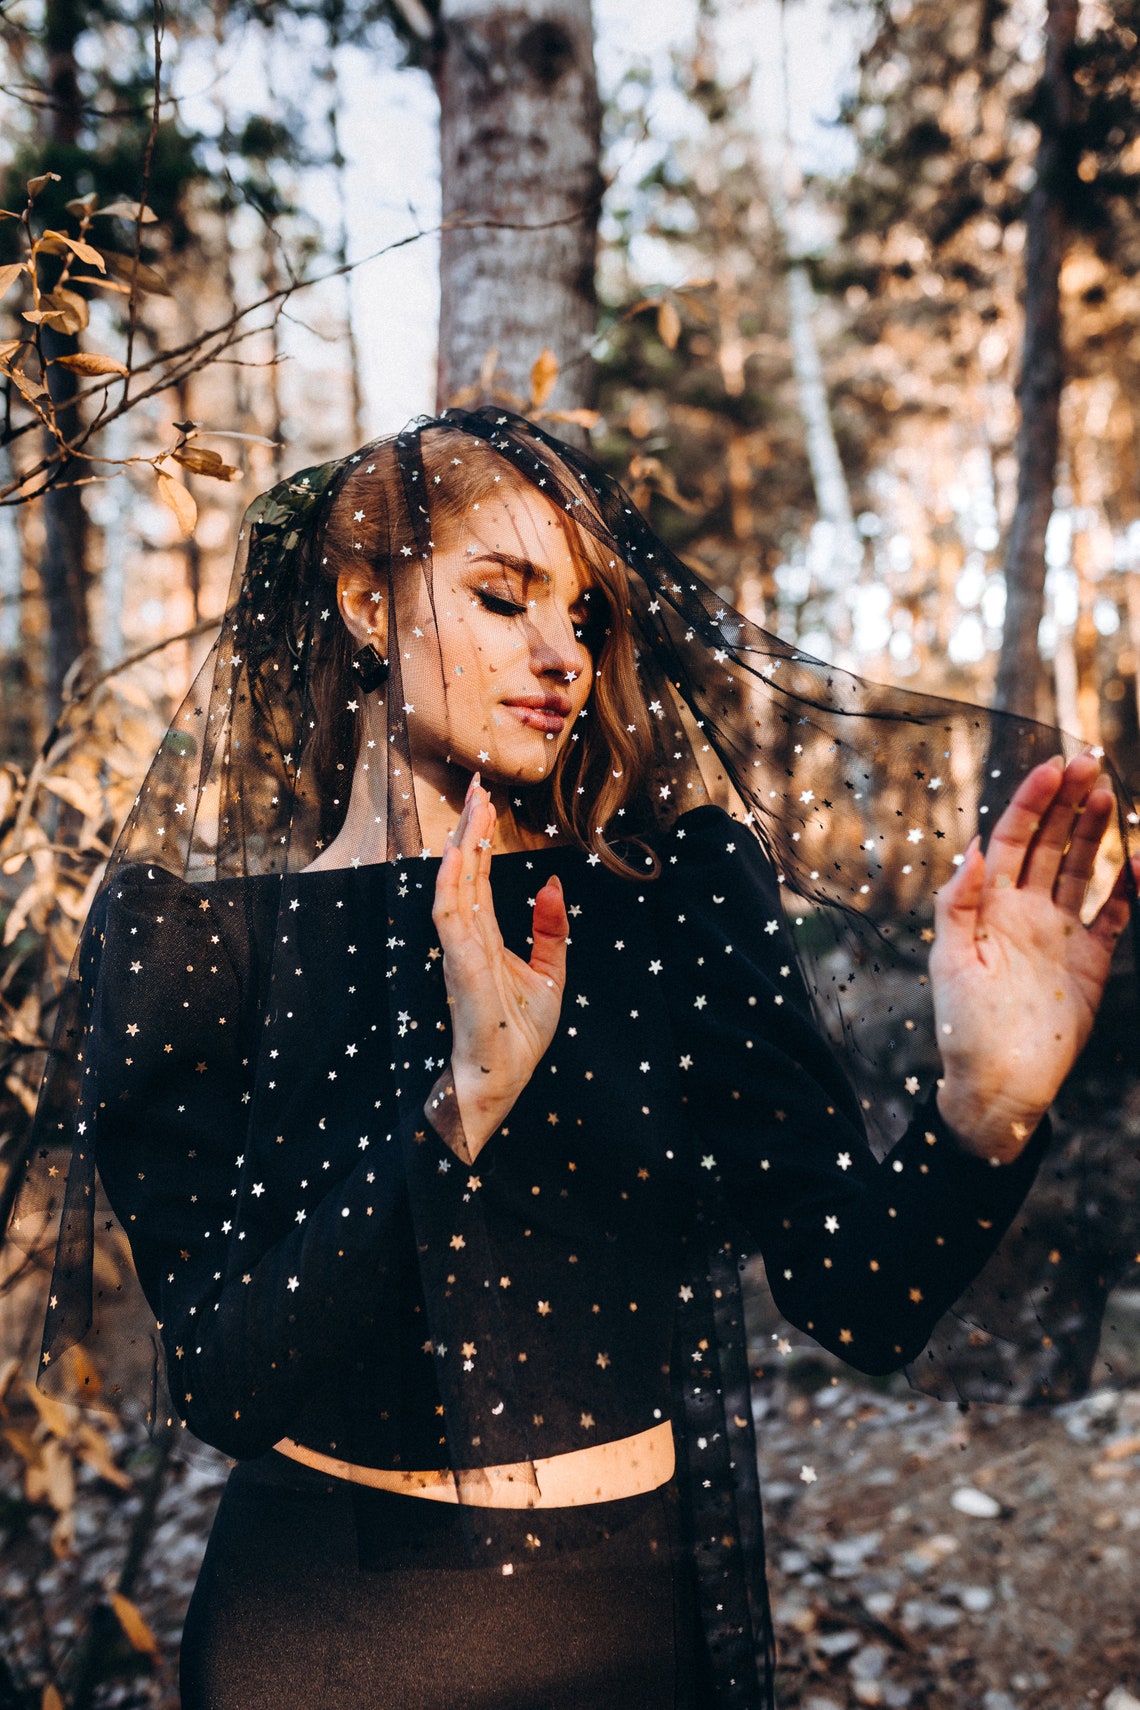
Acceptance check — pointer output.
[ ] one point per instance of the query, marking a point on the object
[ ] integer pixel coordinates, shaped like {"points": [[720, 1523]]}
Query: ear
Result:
{"points": [[365, 616]]}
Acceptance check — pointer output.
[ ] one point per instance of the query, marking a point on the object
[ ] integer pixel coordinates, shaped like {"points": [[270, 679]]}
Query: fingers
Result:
{"points": [[550, 927], [957, 904], [1030, 839], [1020, 821], [463, 888], [1080, 857], [1059, 823], [1114, 912]]}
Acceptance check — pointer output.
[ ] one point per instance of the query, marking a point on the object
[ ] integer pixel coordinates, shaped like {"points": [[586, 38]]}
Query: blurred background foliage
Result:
{"points": [[890, 405]]}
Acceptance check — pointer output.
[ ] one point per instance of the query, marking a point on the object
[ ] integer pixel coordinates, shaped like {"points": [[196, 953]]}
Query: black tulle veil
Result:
{"points": [[860, 795]]}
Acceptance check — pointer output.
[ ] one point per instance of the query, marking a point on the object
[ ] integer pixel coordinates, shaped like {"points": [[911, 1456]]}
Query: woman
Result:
{"points": [[443, 1036]]}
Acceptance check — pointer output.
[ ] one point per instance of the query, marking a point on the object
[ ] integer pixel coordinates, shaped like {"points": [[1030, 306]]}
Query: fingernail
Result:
{"points": [[1056, 760]]}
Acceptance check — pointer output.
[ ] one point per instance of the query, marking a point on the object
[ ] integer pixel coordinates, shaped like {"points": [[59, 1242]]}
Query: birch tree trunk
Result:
{"points": [[829, 479], [1042, 367], [519, 144]]}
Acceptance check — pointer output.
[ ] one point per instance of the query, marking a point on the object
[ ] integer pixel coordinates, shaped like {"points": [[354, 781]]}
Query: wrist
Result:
{"points": [[987, 1126], [476, 1109]]}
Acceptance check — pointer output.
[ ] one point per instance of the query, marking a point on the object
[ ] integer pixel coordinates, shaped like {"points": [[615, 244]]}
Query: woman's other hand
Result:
{"points": [[504, 1011], [1017, 977]]}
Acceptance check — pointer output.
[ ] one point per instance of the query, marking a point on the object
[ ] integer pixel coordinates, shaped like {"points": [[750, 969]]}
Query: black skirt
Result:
{"points": [[318, 1595]]}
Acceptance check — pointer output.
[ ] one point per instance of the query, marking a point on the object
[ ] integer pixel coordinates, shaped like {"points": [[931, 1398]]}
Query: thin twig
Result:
{"points": [[192, 350]]}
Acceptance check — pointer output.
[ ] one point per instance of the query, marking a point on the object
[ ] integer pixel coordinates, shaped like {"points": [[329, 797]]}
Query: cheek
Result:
{"points": [[476, 656]]}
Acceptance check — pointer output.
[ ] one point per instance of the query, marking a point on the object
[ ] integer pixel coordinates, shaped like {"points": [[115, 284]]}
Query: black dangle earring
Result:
{"points": [[370, 667]]}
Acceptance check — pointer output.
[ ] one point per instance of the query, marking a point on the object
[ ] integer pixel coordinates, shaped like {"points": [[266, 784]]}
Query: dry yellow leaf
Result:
{"points": [[9, 275], [75, 307], [668, 325], [50, 1699], [145, 278], [94, 1448], [51, 1477], [62, 309], [129, 211], [25, 1445], [33, 390], [134, 1625], [576, 418], [543, 377], [59, 1417], [200, 460], [34, 901], [83, 798], [179, 500], [91, 362], [640, 419], [9, 347], [487, 369], [23, 1094], [84, 251]]}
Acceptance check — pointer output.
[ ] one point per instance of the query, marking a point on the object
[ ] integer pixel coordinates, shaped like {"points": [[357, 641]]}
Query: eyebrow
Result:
{"points": [[525, 567], [510, 561]]}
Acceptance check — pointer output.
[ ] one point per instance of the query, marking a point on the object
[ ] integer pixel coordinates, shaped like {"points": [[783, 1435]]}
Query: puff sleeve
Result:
{"points": [[865, 1255]]}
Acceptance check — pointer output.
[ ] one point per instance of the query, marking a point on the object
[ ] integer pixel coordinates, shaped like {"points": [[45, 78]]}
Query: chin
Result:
{"points": [[518, 763], [520, 769]]}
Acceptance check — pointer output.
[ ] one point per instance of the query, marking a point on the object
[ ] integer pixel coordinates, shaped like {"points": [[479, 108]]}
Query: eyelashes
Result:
{"points": [[498, 603], [589, 630]]}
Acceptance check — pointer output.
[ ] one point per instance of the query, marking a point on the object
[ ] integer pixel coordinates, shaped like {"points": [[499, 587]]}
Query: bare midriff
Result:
{"points": [[605, 1472]]}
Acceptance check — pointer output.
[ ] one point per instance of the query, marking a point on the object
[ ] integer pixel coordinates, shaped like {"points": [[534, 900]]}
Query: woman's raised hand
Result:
{"points": [[504, 1011], [1017, 977]]}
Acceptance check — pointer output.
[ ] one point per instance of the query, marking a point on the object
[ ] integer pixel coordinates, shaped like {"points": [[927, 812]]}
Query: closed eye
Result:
{"points": [[496, 603]]}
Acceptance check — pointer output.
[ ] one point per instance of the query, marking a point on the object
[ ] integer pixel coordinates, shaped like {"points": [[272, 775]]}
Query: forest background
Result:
{"points": [[846, 292]]}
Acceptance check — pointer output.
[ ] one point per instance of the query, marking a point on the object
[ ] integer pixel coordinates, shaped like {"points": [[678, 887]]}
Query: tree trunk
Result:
{"points": [[63, 573], [519, 144], [1042, 367], [829, 479], [17, 736]]}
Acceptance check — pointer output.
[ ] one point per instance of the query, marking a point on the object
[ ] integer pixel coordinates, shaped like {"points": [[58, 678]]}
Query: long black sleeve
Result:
{"points": [[254, 1318], [864, 1255]]}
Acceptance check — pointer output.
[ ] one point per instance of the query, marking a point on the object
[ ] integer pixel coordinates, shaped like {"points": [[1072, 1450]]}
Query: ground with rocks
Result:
{"points": [[919, 1557]]}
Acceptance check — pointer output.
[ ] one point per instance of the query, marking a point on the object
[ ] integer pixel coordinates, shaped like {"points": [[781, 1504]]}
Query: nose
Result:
{"points": [[555, 650]]}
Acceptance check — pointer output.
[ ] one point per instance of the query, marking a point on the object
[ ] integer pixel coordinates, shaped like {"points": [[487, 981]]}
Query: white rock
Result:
{"points": [[852, 1552], [867, 1692], [976, 1503], [837, 1644], [869, 1663], [1121, 1699]]}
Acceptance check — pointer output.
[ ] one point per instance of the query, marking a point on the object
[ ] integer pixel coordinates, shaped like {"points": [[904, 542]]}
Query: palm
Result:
{"points": [[514, 1018], [1017, 977], [504, 1011]]}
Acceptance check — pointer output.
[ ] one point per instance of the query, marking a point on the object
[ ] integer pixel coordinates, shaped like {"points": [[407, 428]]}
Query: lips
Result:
{"points": [[541, 712]]}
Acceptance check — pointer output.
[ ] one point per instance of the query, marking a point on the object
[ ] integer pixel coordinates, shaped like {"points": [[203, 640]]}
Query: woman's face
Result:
{"points": [[511, 608]]}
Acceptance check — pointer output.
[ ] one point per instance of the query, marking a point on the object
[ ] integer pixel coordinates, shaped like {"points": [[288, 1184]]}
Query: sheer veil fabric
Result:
{"points": [[860, 798]]}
